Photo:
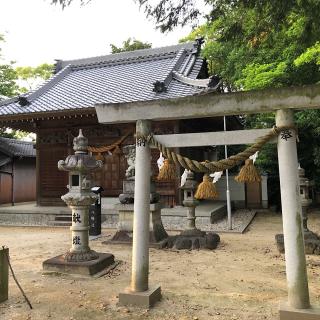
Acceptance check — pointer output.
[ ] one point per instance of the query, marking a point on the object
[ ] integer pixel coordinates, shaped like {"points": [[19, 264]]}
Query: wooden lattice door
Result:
{"points": [[111, 176]]}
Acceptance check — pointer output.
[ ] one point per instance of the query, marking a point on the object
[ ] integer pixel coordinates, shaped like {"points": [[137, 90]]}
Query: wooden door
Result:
{"points": [[253, 195], [53, 182], [111, 176]]}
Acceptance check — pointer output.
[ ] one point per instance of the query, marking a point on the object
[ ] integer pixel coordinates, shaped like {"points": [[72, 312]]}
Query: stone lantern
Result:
{"points": [[191, 237], [305, 185], [311, 239], [80, 258], [189, 189]]}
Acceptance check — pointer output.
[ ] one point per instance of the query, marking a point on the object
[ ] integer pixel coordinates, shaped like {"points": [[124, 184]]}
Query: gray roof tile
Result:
{"points": [[17, 148], [117, 78]]}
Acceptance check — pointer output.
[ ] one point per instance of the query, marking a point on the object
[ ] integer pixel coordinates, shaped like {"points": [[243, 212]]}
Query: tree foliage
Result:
{"points": [[130, 44], [8, 86], [32, 76], [260, 44]]}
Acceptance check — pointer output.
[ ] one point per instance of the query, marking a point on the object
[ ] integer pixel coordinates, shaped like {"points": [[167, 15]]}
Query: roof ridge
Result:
{"points": [[121, 61], [48, 84], [9, 100], [162, 84], [17, 140], [122, 56]]}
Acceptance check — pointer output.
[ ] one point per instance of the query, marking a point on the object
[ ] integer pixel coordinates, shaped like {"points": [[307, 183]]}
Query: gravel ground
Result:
{"points": [[240, 220], [243, 279]]}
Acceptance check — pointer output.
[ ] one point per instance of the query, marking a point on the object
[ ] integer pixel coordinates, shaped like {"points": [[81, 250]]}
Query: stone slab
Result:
{"points": [[86, 268], [143, 299], [130, 206], [288, 313]]}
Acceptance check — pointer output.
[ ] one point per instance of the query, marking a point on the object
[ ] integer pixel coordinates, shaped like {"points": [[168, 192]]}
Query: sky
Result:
{"points": [[37, 32]]}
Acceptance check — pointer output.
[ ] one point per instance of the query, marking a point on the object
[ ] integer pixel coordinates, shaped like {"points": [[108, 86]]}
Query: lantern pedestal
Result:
{"points": [[86, 268], [125, 225]]}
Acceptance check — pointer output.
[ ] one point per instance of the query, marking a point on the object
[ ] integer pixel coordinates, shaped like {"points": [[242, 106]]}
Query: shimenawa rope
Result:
{"points": [[214, 166]]}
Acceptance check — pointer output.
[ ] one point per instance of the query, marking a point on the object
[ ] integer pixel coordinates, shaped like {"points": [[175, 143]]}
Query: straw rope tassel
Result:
{"points": [[99, 156], [248, 173], [167, 171], [206, 189]]}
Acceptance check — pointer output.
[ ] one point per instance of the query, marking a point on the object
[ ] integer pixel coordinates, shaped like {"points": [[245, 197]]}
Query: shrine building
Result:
{"points": [[63, 104]]}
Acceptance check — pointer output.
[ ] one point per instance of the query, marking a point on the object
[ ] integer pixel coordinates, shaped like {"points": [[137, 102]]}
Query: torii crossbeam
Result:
{"points": [[281, 100]]}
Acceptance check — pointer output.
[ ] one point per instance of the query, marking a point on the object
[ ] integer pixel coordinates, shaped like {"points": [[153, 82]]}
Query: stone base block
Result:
{"points": [[189, 241], [311, 243], [288, 313], [87, 268], [125, 225], [143, 299]]}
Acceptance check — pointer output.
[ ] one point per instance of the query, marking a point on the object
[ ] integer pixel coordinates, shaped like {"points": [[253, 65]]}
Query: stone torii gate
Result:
{"points": [[283, 101]]}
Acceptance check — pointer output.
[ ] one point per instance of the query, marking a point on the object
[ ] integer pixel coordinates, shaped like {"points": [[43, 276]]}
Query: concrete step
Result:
{"points": [[59, 223]]}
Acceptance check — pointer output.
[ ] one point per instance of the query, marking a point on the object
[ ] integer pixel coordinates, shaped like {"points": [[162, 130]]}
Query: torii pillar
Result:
{"points": [[298, 304], [139, 293]]}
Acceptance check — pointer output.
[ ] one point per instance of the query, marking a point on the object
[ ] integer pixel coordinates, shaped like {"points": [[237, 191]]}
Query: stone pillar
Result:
{"points": [[298, 292], [80, 234], [140, 245], [139, 293]]}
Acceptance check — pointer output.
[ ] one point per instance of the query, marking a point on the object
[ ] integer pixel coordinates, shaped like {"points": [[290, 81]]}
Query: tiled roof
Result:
{"points": [[4, 160], [17, 148], [116, 78]]}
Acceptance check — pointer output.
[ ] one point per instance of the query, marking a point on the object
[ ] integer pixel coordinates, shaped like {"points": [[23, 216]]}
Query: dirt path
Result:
{"points": [[243, 279]]}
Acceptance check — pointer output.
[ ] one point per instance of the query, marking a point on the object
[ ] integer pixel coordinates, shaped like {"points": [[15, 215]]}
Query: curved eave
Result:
{"points": [[58, 114]]}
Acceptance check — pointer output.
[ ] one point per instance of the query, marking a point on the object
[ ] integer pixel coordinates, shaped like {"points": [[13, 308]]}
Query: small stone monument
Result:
{"points": [[311, 239], [126, 206], [80, 258], [128, 184], [191, 237]]}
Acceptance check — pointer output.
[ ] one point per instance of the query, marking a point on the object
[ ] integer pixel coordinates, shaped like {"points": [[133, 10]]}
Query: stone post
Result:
{"points": [[139, 293], [297, 282], [4, 274], [140, 244]]}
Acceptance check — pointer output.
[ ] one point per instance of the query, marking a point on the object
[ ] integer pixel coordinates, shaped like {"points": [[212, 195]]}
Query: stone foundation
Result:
{"points": [[311, 243], [143, 299], [289, 313], [183, 241]]}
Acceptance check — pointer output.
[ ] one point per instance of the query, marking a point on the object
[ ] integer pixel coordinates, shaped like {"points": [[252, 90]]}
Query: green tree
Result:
{"points": [[255, 45], [8, 76], [9, 88], [33, 76], [130, 44]]}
